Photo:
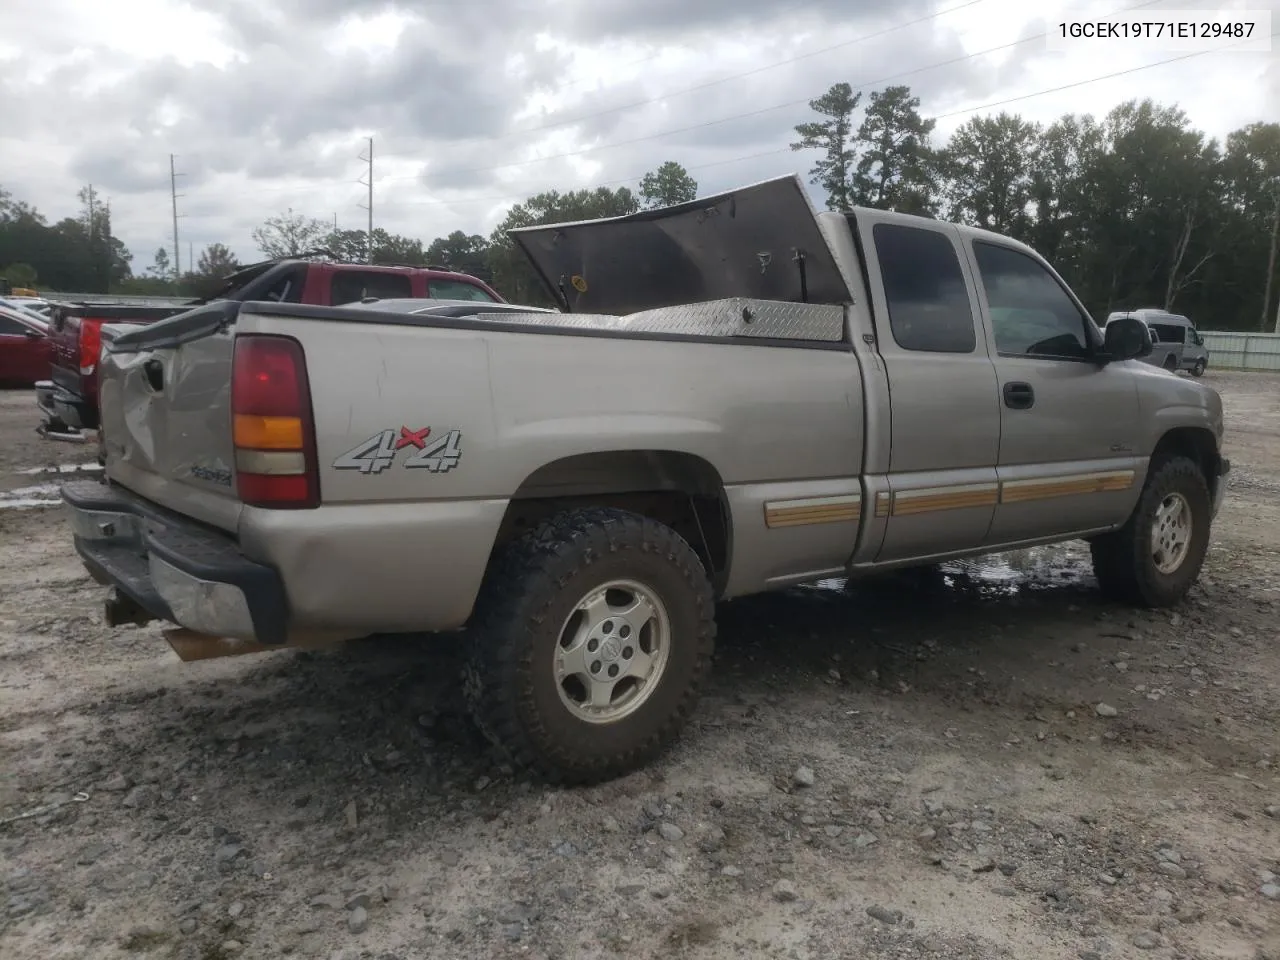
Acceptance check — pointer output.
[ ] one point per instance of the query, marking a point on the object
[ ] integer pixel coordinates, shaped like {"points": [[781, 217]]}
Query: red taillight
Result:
{"points": [[272, 424], [90, 345]]}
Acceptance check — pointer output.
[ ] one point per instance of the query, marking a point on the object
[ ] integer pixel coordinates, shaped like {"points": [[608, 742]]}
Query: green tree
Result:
{"points": [[352, 246], [667, 186], [289, 234], [1145, 227], [512, 274], [833, 136], [463, 253], [216, 262], [20, 275], [161, 266], [988, 172], [1068, 151], [894, 169], [1252, 180], [393, 248]]}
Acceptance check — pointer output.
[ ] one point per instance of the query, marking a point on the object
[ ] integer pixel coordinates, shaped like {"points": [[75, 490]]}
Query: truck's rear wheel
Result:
{"points": [[1156, 556], [592, 637]]}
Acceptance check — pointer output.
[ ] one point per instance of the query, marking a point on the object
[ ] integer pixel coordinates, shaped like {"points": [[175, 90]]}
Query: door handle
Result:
{"points": [[1019, 395]]}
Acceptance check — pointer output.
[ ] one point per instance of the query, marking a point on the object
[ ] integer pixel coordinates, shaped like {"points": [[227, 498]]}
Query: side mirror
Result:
{"points": [[32, 334], [1126, 338]]}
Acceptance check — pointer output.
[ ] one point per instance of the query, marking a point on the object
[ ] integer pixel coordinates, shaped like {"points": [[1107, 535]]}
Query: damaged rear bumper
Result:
{"points": [[166, 567], [65, 414]]}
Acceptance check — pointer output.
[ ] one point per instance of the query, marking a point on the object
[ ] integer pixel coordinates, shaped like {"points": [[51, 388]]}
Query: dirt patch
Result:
{"points": [[968, 797]]}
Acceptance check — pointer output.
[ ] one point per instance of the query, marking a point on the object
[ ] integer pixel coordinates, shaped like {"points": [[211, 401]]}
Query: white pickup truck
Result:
{"points": [[738, 394]]}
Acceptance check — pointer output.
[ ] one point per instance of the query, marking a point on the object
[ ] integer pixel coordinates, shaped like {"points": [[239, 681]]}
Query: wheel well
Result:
{"points": [[1196, 444], [680, 490]]}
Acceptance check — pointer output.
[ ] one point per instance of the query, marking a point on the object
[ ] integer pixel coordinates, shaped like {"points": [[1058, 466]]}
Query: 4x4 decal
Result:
{"points": [[435, 453]]}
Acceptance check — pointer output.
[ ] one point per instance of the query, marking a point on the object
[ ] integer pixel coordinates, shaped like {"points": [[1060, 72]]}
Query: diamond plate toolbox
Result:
{"points": [[734, 317]]}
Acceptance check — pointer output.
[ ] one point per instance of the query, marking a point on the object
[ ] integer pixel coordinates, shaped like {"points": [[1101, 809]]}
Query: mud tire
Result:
{"points": [[1123, 562], [532, 587]]}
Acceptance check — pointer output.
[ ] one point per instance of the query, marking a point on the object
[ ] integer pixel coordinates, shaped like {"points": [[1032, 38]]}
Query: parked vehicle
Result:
{"points": [[25, 306], [68, 398], [67, 394], [25, 354], [739, 395], [1176, 344]]}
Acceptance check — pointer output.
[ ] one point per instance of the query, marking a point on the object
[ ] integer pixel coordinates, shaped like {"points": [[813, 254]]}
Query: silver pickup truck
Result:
{"points": [[736, 395]]}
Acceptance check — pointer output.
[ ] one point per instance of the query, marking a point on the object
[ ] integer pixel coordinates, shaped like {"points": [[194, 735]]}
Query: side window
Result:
{"points": [[286, 288], [10, 327], [1169, 332], [1031, 315], [350, 286], [924, 286], [456, 290]]}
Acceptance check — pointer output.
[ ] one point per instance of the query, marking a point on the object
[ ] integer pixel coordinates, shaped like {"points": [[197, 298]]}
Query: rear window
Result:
{"points": [[351, 286], [457, 290], [286, 288], [924, 286]]}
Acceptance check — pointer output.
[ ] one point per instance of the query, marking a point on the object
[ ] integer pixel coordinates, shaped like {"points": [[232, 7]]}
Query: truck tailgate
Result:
{"points": [[165, 396]]}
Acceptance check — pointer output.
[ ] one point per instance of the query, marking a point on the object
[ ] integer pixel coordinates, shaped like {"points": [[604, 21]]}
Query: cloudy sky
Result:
{"points": [[476, 104]]}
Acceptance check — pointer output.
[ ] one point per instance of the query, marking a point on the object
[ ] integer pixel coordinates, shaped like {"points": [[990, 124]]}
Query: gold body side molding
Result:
{"points": [[809, 510], [1047, 488], [907, 503]]}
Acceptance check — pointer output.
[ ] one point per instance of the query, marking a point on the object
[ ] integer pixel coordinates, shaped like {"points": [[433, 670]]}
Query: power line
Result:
{"points": [[1028, 96], [753, 113], [734, 76], [461, 171], [583, 151], [1081, 83]]}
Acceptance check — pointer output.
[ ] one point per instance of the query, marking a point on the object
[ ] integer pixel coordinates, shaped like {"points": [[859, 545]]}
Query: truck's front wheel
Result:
{"points": [[592, 636], [1156, 556]]}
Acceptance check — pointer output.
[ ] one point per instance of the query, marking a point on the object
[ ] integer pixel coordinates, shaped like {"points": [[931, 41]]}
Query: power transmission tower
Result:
{"points": [[174, 194], [369, 206]]}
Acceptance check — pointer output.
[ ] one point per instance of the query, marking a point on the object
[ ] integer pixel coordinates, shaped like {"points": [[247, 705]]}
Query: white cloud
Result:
{"points": [[473, 106]]}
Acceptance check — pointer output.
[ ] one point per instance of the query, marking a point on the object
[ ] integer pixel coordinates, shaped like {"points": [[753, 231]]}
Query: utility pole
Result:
{"points": [[369, 207], [103, 276], [173, 193]]}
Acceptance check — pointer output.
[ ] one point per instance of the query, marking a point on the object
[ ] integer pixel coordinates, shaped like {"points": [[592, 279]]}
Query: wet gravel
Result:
{"points": [[916, 766]]}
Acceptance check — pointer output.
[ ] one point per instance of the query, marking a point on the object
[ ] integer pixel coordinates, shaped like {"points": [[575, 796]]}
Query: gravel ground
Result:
{"points": [[987, 761]]}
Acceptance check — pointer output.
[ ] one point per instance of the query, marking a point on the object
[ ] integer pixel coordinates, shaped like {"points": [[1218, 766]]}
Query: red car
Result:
{"points": [[26, 352]]}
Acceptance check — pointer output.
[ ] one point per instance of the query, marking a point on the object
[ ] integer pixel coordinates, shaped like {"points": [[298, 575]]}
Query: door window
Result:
{"points": [[928, 303], [11, 328], [350, 286], [457, 290], [1031, 314]]}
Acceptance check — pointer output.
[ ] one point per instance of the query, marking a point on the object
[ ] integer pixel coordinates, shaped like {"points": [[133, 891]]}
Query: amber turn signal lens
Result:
{"points": [[268, 433]]}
